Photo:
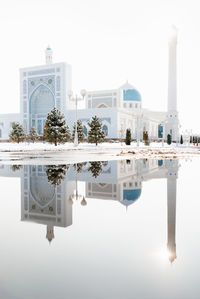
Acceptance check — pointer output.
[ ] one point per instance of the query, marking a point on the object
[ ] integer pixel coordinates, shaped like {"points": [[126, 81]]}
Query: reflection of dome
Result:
{"points": [[130, 196], [130, 93]]}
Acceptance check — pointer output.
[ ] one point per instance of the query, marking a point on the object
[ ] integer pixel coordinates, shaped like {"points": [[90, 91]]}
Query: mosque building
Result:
{"points": [[47, 86]]}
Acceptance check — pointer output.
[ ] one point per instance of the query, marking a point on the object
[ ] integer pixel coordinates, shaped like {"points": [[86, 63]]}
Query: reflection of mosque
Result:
{"points": [[49, 203]]}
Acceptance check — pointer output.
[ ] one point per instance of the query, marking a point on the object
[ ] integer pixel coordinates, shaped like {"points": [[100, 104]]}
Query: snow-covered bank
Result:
{"points": [[43, 153], [40, 146]]}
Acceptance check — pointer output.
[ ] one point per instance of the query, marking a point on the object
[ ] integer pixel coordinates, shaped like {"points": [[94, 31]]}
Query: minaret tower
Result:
{"points": [[172, 123], [48, 54]]}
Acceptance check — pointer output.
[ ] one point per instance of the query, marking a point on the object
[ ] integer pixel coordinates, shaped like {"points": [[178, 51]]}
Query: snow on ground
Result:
{"points": [[44, 153]]}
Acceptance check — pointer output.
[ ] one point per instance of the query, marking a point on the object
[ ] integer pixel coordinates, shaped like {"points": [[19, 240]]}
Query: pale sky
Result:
{"points": [[107, 42]]}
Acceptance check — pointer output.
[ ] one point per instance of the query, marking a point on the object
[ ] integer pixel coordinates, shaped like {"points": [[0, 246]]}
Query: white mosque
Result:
{"points": [[47, 86]]}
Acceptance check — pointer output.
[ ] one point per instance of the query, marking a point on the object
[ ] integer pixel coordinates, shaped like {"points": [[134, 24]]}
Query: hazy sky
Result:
{"points": [[107, 42]]}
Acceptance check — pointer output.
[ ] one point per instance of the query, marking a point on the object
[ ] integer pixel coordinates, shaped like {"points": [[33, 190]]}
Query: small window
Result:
{"points": [[105, 129], [130, 105], [85, 130], [124, 105], [136, 105]]}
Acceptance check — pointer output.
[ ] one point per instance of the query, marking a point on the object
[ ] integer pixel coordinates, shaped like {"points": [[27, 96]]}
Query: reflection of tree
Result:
{"points": [[56, 173], [95, 168], [16, 167], [78, 167]]}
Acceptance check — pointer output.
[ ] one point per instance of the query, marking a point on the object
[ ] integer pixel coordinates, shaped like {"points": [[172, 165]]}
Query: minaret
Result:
{"points": [[171, 208], [50, 233], [48, 54], [172, 114]]}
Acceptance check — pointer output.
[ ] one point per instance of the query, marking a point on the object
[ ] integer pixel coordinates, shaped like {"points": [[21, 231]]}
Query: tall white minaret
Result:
{"points": [[172, 123], [48, 55]]}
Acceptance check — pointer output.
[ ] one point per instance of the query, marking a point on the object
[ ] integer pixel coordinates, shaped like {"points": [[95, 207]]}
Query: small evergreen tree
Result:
{"points": [[169, 139], [181, 141], [33, 135], [81, 135], [56, 174], [95, 168], [146, 138], [17, 133], [128, 137], [96, 134], [56, 130], [190, 139]]}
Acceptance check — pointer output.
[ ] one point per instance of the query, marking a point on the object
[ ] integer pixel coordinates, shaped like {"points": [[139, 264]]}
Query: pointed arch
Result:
{"points": [[41, 100]]}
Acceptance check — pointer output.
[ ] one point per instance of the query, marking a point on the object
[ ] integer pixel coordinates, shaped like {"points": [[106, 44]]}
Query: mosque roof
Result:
{"points": [[130, 196], [130, 93]]}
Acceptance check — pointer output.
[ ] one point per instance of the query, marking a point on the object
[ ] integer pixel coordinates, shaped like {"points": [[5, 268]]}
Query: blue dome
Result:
{"points": [[130, 196], [130, 93]]}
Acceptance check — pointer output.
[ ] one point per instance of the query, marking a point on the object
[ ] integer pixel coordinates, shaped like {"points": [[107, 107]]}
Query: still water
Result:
{"points": [[116, 229]]}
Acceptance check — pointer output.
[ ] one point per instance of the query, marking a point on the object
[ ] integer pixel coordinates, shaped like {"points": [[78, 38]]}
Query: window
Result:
{"points": [[136, 105], [105, 129], [124, 105], [0, 133], [160, 131], [130, 105], [39, 127], [85, 130]]}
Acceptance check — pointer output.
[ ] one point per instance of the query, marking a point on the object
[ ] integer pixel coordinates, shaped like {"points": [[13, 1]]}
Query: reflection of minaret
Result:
{"points": [[171, 210], [50, 233]]}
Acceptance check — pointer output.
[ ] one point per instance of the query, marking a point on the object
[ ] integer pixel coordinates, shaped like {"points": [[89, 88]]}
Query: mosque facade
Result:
{"points": [[47, 86]]}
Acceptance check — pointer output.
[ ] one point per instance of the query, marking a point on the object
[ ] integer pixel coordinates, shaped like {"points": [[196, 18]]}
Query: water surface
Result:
{"points": [[116, 229]]}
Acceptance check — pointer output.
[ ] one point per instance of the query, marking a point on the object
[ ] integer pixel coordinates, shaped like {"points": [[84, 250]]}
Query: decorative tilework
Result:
{"points": [[46, 80]]}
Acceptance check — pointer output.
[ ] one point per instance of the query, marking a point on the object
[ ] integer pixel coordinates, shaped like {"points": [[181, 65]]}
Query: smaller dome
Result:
{"points": [[130, 93]]}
